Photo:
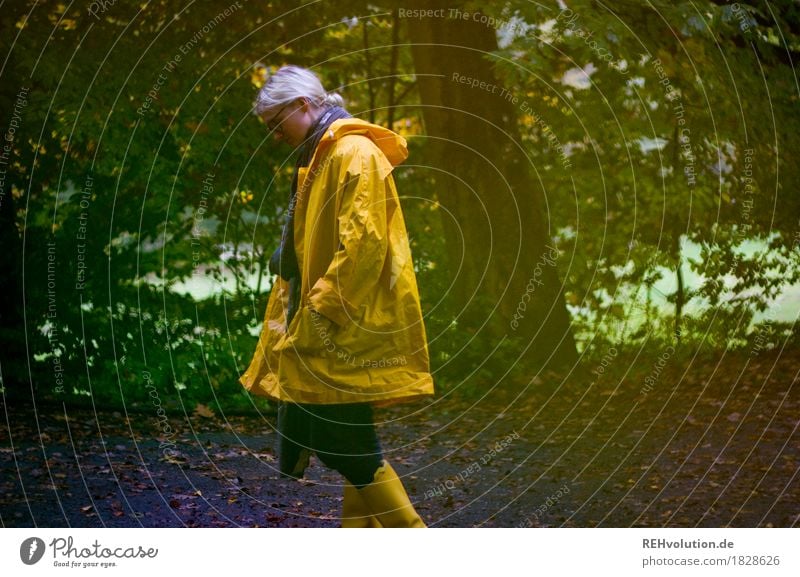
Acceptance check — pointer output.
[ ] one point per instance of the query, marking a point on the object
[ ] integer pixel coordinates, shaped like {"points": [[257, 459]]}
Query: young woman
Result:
{"points": [[343, 330]]}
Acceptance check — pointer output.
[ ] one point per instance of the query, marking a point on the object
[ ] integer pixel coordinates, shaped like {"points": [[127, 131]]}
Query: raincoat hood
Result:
{"points": [[390, 143]]}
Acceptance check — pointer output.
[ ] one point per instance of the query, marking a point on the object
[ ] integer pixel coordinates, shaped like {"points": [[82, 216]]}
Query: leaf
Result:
{"points": [[203, 411]]}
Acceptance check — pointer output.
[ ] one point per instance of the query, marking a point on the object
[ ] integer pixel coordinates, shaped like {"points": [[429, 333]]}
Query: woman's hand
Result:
{"points": [[323, 326]]}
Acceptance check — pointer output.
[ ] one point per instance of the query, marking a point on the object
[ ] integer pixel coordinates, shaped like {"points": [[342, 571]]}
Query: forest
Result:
{"points": [[599, 203]]}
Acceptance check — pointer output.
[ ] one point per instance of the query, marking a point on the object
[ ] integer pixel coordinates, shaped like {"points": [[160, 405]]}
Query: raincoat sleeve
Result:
{"points": [[363, 241]]}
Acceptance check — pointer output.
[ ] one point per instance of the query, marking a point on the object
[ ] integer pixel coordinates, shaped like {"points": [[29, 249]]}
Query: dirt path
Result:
{"points": [[711, 446]]}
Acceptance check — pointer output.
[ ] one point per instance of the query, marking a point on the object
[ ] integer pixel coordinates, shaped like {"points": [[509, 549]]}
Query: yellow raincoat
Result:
{"points": [[358, 334]]}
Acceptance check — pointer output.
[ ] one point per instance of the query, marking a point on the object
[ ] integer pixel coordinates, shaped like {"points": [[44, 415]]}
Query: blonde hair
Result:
{"points": [[291, 82]]}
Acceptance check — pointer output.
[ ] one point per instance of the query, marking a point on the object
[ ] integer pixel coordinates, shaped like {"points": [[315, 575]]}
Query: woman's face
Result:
{"points": [[289, 122]]}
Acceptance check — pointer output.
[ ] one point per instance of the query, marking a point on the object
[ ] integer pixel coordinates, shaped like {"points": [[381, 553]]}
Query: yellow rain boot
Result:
{"points": [[387, 499], [355, 513]]}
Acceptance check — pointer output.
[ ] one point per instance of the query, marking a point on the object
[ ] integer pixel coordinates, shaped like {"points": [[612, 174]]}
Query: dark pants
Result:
{"points": [[342, 436]]}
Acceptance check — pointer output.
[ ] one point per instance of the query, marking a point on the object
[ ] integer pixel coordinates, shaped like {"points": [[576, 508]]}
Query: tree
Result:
{"points": [[679, 124], [505, 279]]}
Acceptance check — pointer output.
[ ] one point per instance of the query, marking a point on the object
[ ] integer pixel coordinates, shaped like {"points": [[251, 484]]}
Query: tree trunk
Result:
{"points": [[507, 284], [12, 330], [680, 294]]}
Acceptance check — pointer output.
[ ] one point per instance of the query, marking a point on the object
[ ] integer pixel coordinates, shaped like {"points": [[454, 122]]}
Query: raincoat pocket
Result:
{"points": [[310, 333]]}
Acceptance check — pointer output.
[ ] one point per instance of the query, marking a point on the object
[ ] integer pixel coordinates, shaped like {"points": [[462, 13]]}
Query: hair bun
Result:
{"points": [[334, 98]]}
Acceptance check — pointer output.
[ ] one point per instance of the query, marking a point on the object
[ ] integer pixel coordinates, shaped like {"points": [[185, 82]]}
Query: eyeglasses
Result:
{"points": [[272, 125]]}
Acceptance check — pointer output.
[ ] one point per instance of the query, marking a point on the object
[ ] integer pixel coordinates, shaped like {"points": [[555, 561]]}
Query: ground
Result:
{"points": [[630, 443]]}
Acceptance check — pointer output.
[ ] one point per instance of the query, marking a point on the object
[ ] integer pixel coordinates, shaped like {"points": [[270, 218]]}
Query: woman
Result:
{"points": [[343, 329]]}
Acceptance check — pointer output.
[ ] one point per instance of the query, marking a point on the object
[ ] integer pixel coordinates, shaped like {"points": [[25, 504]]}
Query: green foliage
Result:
{"points": [[670, 144]]}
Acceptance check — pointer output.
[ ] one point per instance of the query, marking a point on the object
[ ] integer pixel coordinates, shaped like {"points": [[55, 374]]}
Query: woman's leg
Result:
{"points": [[356, 514], [387, 499], [344, 439]]}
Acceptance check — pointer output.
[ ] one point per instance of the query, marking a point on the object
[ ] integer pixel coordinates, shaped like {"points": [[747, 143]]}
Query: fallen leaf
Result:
{"points": [[203, 411]]}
